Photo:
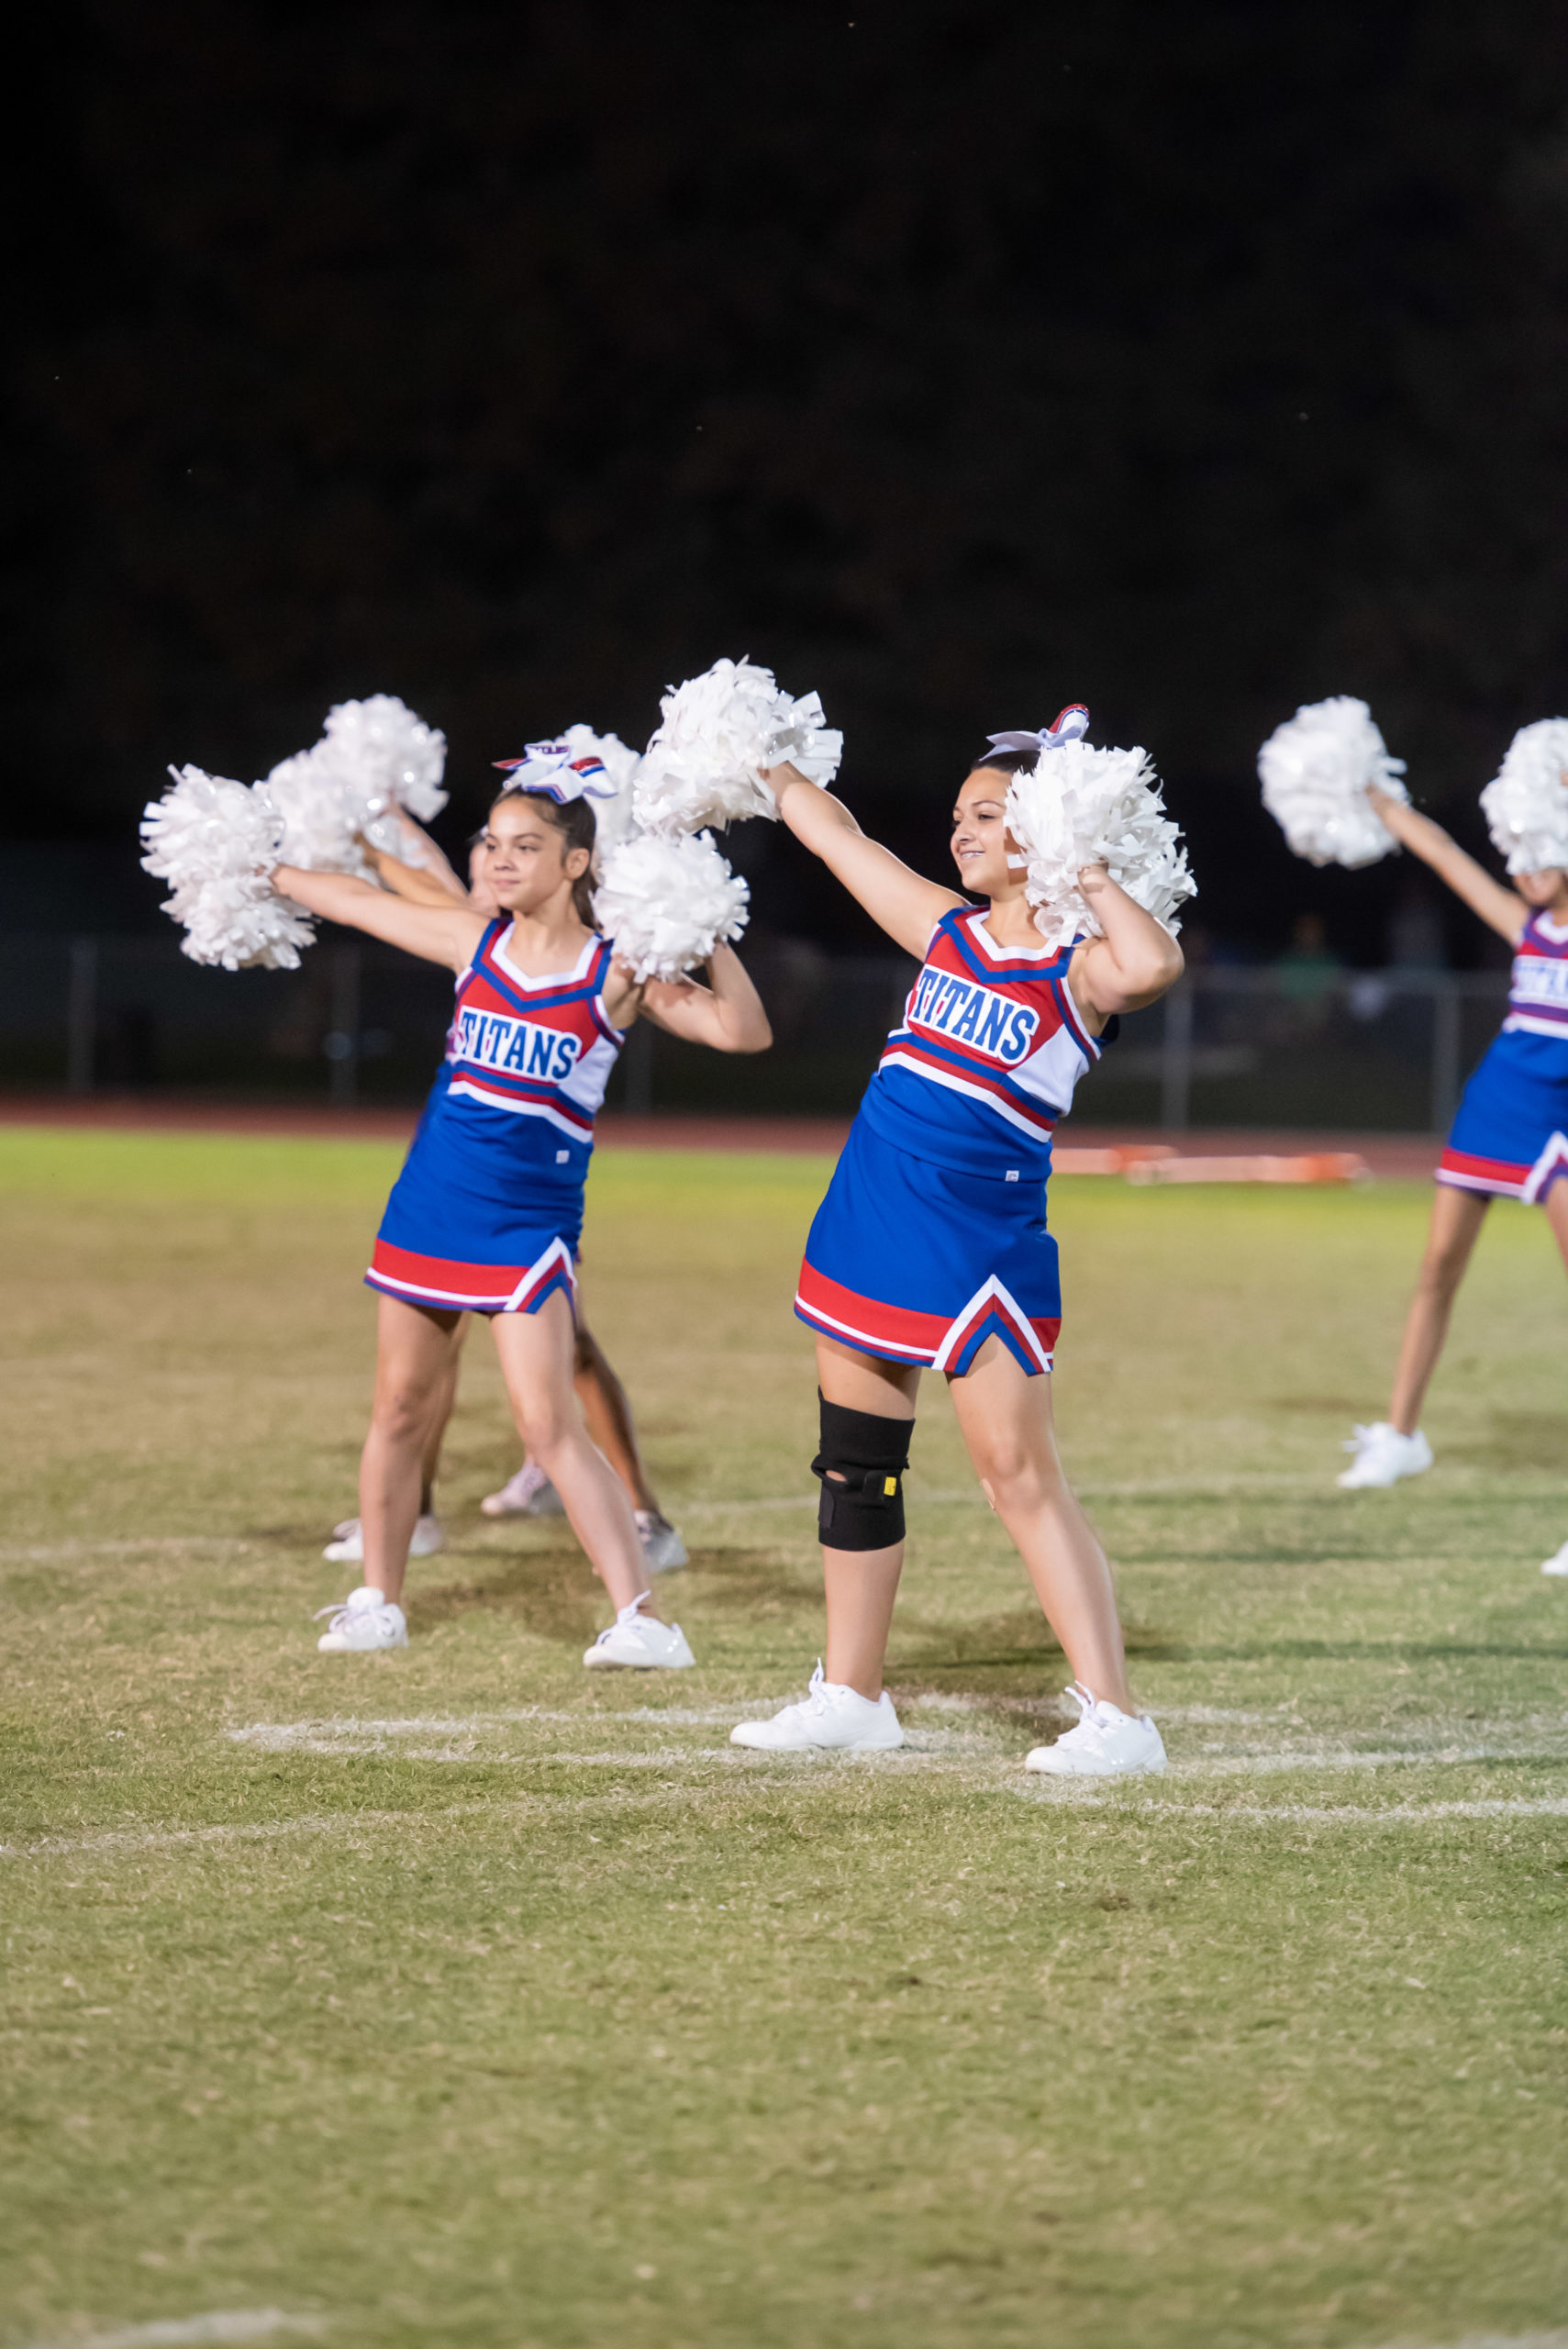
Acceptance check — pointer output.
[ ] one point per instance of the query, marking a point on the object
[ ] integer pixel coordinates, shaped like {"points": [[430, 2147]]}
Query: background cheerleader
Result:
{"points": [[931, 1248], [1510, 1139], [424, 875], [486, 1212]]}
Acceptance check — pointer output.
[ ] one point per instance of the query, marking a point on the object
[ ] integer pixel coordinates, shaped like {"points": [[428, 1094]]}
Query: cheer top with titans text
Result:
{"points": [[985, 1061], [528, 1062], [1537, 991]]}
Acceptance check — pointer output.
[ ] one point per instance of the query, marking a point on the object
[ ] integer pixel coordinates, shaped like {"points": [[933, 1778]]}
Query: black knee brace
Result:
{"points": [[869, 1453]]}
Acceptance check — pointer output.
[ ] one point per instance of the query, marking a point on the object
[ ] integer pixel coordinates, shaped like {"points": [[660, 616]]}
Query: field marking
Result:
{"points": [[1065, 1793], [1086, 1793], [337, 1822], [59, 1551], [1264, 1765], [1558, 2340], [175, 2332]]}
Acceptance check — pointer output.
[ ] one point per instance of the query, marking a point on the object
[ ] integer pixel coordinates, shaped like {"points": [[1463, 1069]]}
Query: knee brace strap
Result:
{"points": [[869, 1453]]}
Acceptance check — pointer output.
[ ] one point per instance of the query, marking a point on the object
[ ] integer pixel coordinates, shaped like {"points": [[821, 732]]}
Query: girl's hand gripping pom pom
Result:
{"points": [[666, 902], [718, 733], [217, 842], [1525, 805], [1078, 807], [1316, 769]]}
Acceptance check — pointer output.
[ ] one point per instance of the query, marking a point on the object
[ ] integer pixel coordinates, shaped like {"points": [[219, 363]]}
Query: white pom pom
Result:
{"points": [[1525, 805], [217, 843], [1315, 770], [323, 812], [667, 901], [704, 765], [613, 816], [1079, 806], [381, 747]]}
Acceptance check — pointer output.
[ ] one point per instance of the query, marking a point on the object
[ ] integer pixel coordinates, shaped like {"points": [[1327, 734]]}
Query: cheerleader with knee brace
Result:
{"points": [[930, 1250], [485, 1215], [1510, 1139]]}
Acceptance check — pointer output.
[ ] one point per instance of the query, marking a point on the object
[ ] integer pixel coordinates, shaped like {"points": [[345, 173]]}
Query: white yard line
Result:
{"points": [[1446, 1757], [176, 2333], [62, 1551]]}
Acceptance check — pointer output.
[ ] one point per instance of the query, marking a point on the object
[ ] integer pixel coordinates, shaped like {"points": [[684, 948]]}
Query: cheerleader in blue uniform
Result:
{"points": [[485, 1215], [1510, 1139], [931, 1251]]}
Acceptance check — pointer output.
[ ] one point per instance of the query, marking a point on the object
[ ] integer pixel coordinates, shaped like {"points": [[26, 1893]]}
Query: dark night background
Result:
{"points": [[957, 359]]}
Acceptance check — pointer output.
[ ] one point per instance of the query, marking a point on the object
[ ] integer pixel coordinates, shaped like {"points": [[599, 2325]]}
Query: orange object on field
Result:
{"points": [[1121, 1158], [1317, 1167]]}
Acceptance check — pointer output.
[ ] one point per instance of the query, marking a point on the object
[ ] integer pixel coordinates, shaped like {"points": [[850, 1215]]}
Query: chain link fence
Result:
{"points": [[1384, 1050]]}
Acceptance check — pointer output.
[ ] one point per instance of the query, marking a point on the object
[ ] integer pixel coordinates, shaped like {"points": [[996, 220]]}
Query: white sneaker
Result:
{"points": [[364, 1622], [1105, 1743], [830, 1715], [663, 1548], [528, 1494], [1383, 1456], [1557, 1565], [640, 1643], [347, 1547]]}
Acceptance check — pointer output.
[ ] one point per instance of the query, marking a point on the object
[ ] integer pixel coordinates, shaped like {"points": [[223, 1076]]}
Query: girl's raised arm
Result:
{"points": [[446, 934], [728, 1013], [1501, 909], [904, 905], [1134, 962]]}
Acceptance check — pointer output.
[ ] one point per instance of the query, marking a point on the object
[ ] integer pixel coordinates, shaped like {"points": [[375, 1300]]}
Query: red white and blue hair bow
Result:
{"points": [[1072, 725], [560, 771]]}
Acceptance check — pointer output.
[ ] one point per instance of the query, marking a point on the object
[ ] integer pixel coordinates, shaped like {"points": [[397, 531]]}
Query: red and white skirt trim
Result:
{"points": [[450, 1283]]}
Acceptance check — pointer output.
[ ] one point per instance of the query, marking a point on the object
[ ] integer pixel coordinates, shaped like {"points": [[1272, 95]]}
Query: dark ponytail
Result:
{"points": [[573, 819]]}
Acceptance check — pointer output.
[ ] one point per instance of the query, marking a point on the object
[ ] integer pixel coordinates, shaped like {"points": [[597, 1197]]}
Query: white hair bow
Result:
{"points": [[1072, 725]]}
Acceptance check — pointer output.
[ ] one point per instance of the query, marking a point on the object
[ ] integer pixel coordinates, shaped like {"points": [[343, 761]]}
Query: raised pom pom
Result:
{"points": [[1315, 770], [392, 756], [613, 817], [218, 841], [323, 813], [666, 901], [373, 757], [1078, 806], [1525, 805], [718, 732]]}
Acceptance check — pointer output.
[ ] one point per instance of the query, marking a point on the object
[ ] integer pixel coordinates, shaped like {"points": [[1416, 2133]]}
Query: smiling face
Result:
{"points": [[526, 861], [980, 837], [1542, 890]]}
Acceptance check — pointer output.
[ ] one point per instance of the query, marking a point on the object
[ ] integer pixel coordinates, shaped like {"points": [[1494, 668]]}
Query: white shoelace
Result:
{"points": [[625, 1615], [1088, 1727]]}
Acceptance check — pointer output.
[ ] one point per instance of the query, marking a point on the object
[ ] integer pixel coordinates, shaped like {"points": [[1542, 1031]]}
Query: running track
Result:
{"points": [[1413, 1156]]}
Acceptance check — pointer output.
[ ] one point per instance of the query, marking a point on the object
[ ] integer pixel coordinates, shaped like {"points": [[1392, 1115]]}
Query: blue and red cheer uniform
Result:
{"points": [[488, 1209], [932, 1236], [1510, 1136]]}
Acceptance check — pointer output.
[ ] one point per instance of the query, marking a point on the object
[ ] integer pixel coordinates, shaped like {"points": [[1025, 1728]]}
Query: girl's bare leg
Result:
{"points": [[861, 1585], [442, 1406], [537, 1353], [1555, 1205], [1457, 1218], [1007, 1424], [416, 1353], [608, 1414]]}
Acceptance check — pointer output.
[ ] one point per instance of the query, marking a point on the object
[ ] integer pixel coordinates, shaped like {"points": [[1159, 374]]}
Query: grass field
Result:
{"points": [[450, 1997]]}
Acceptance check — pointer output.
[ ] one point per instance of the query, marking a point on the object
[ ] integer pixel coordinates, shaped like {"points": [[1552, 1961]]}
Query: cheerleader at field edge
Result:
{"points": [[486, 1213], [931, 1252], [602, 1397], [1510, 1139]]}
